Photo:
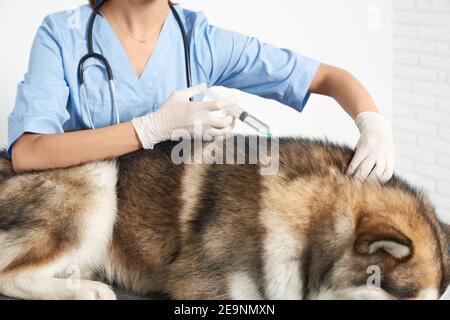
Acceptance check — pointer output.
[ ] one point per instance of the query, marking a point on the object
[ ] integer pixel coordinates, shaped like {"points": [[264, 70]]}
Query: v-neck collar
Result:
{"points": [[110, 46]]}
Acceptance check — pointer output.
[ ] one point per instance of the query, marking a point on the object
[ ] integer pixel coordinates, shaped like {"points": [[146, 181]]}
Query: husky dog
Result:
{"points": [[145, 224]]}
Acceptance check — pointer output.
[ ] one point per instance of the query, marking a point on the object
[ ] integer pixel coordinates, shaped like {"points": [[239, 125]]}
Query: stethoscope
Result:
{"points": [[99, 57]]}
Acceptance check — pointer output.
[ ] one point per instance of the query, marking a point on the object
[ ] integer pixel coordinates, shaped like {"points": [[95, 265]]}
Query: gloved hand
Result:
{"points": [[374, 157], [180, 113]]}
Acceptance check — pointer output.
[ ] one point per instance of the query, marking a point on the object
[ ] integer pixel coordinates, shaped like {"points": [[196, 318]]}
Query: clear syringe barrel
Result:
{"points": [[240, 114], [256, 124]]}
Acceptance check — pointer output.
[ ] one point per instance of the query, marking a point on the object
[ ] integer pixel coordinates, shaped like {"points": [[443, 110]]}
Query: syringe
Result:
{"points": [[241, 114]]}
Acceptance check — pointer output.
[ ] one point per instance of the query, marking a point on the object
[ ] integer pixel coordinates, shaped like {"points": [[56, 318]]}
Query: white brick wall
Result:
{"points": [[422, 96]]}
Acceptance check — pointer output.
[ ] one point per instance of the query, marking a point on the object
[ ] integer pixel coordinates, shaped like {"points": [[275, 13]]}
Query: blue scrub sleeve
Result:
{"points": [[236, 61], [42, 96]]}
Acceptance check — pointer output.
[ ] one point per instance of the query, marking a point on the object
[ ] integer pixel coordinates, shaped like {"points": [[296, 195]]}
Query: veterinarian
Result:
{"points": [[58, 122]]}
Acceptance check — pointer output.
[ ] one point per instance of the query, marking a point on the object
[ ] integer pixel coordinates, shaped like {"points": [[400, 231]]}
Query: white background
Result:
{"points": [[422, 96], [347, 33]]}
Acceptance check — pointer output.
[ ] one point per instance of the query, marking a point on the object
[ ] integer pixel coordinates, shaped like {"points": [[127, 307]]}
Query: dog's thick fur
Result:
{"points": [[218, 231]]}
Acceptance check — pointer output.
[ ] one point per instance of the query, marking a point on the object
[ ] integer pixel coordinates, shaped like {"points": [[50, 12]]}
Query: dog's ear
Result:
{"points": [[372, 238]]}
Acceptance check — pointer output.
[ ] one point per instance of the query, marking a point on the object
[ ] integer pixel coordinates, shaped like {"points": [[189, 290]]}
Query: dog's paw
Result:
{"points": [[92, 290]]}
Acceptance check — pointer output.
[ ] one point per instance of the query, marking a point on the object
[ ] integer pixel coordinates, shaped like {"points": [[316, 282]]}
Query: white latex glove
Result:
{"points": [[180, 113], [374, 157]]}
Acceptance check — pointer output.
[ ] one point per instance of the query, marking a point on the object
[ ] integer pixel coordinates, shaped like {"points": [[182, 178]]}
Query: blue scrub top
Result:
{"points": [[49, 101]]}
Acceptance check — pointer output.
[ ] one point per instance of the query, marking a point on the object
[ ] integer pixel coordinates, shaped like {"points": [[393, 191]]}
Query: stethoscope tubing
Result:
{"points": [[91, 54]]}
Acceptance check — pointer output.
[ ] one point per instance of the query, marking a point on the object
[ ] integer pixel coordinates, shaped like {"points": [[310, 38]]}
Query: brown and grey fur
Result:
{"points": [[142, 223]]}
